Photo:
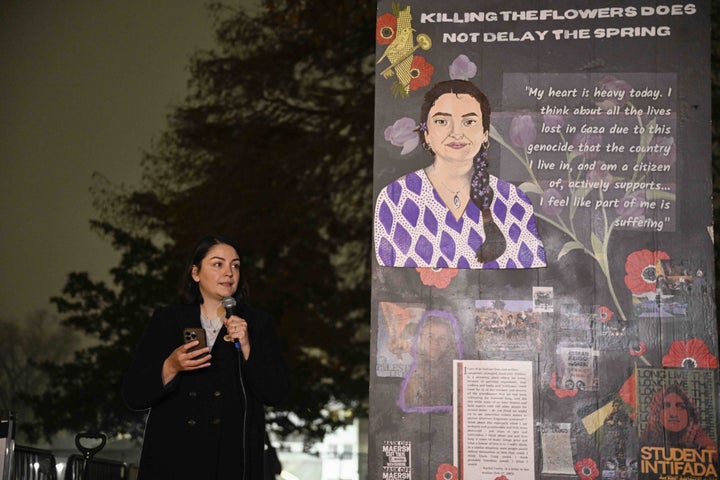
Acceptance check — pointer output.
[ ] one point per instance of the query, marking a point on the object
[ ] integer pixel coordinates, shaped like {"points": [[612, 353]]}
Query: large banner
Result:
{"points": [[543, 263]]}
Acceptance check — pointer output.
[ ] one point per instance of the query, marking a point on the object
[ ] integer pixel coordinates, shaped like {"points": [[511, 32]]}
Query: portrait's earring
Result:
{"points": [[484, 151], [425, 145]]}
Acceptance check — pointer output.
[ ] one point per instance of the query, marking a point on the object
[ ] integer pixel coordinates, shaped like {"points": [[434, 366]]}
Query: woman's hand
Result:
{"points": [[181, 359], [238, 330]]}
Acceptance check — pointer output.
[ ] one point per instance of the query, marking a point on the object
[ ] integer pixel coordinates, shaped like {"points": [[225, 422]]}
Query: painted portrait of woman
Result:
{"points": [[453, 213], [428, 384]]}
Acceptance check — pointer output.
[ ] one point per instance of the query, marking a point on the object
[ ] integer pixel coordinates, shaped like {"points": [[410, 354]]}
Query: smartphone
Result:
{"points": [[190, 334]]}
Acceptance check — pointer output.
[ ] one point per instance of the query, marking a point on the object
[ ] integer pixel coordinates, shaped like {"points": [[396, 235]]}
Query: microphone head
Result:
{"points": [[229, 303]]}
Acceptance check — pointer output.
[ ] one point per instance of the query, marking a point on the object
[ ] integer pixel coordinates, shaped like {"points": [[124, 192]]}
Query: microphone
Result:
{"points": [[230, 303]]}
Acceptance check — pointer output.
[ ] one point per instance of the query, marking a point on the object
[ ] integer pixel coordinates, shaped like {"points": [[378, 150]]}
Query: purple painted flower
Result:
{"points": [[586, 144], [462, 68], [403, 133], [550, 200], [553, 120], [523, 131], [599, 174], [630, 206], [666, 153], [617, 92]]}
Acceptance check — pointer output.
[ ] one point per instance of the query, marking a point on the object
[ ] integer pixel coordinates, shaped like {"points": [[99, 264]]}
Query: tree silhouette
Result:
{"points": [[272, 146], [39, 338]]}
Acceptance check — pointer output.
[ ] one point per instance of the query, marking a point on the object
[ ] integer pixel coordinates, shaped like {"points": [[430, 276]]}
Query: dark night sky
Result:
{"points": [[85, 87]]}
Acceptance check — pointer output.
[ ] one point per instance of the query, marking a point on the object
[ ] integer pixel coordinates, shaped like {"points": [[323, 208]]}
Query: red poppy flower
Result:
{"points": [[694, 354], [638, 350], [446, 471], [421, 71], [501, 477], [605, 314], [560, 392], [641, 269], [437, 277], [385, 29], [587, 469]]}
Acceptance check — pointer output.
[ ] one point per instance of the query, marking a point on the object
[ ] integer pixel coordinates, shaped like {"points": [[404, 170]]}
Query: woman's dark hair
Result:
{"points": [[202, 247], [481, 193], [458, 87]]}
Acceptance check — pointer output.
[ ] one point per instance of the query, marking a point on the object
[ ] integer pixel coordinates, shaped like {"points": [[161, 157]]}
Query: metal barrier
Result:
{"points": [[97, 469], [36, 464], [7, 444], [27, 463], [33, 464]]}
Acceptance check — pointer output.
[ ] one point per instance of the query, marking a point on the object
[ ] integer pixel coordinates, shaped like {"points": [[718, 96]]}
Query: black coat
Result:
{"points": [[195, 423]]}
